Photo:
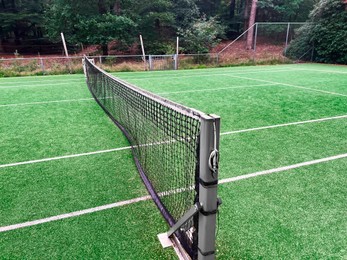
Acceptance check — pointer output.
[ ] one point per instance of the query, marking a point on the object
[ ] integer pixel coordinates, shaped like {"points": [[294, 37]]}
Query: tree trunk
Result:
{"points": [[117, 7], [3, 4], [102, 7], [232, 9], [246, 16], [250, 34], [104, 49]]}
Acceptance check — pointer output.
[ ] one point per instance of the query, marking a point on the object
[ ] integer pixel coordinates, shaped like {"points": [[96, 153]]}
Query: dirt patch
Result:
{"points": [[237, 52]]}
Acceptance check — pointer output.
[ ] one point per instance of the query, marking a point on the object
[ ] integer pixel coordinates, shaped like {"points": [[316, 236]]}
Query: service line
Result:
{"points": [[158, 143], [46, 102], [290, 85]]}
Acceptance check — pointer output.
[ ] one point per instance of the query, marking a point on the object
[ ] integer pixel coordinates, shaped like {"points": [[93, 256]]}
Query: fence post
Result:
{"points": [[176, 61], [150, 62], [42, 66], [287, 39], [255, 42]]}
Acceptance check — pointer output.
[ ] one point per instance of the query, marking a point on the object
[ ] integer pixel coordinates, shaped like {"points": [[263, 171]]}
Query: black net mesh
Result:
{"points": [[165, 141]]}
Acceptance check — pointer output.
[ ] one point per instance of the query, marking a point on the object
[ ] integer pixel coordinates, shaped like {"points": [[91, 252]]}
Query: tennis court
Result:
{"points": [[70, 189]]}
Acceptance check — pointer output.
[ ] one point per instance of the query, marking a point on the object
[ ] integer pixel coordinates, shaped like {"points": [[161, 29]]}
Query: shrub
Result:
{"points": [[327, 33]]}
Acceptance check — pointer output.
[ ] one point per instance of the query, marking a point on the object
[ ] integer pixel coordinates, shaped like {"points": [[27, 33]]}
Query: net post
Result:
{"points": [[150, 61], [84, 66], [208, 184]]}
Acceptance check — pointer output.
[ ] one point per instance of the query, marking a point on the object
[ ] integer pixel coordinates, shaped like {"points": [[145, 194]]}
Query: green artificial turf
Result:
{"points": [[121, 233], [295, 214]]}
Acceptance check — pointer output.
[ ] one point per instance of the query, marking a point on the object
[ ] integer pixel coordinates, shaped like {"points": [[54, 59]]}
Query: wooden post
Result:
{"points": [[64, 43], [143, 52]]}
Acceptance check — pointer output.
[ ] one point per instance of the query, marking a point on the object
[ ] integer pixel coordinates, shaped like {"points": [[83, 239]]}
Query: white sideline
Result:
{"points": [[178, 76], [135, 200], [282, 125], [73, 214], [237, 72], [164, 93], [41, 81], [326, 71], [39, 85], [215, 89], [164, 142], [46, 102], [290, 85], [63, 157], [284, 168]]}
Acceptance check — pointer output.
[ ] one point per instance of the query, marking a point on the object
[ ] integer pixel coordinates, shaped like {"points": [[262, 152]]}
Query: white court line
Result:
{"points": [[215, 89], [38, 85], [326, 71], [63, 157], [282, 125], [144, 198], [284, 168], [46, 102], [82, 154], [40, 81], [290, 85], [164, 142], [73, 214], [205, 74]]}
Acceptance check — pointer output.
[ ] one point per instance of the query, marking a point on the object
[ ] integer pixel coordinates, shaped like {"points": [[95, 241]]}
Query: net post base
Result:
{"points": [[173, 242]]}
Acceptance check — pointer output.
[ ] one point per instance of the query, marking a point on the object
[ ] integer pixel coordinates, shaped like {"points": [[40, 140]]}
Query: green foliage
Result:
{"points": [[327, 33], [105, 28], [283, 10], [203, 34], [20, 19], [185, 12]]}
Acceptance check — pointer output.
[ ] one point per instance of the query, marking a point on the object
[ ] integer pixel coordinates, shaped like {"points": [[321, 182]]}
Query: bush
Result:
{"points": [[327, 33], [202, 35]]}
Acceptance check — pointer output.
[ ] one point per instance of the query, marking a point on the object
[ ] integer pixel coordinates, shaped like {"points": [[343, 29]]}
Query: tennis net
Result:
{"points": [[169, 142]]}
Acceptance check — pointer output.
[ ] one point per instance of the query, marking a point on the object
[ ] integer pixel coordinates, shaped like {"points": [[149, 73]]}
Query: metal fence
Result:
{"points": [[270, 44]]}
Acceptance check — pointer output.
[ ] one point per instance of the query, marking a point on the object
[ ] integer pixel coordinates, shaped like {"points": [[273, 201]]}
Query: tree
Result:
{"points": [[250, 34], [202, 35], [20, 20], [185, 11], [89, 22], [326, 32], [284, 10]]}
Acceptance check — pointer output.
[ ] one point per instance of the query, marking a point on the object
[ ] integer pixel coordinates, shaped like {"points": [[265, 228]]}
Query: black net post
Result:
{"points": [[208, 183]]}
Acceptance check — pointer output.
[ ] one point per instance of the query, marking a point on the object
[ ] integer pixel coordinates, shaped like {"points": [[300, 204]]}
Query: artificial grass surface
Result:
{"points": [[244, 153], [293, 214], [36, 191], [48, 130], [47, 92], [122, 233], [296, 214]]}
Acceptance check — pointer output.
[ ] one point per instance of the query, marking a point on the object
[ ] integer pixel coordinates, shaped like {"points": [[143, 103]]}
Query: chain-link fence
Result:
{"points": [[269, 46]]}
